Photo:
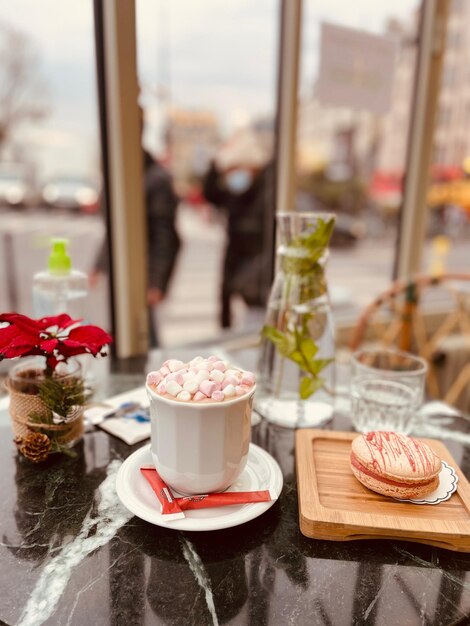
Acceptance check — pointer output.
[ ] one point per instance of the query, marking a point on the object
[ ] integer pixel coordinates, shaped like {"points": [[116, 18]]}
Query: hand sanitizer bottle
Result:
{"points": [[59, 289]]}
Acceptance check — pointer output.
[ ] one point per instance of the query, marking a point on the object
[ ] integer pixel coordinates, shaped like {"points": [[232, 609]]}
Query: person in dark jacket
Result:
{"points": [[163, 242], [163, 239], [240, 183]]}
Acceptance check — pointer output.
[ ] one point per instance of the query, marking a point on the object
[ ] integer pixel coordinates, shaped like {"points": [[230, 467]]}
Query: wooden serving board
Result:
{"points": [[334, 505]]}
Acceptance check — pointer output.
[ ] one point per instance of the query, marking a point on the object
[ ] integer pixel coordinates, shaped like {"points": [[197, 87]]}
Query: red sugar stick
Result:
{"points": [[225, 498], [172, 508]]}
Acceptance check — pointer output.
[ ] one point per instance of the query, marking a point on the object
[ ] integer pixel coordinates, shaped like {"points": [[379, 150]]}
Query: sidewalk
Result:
{"points": [[190, 312]]}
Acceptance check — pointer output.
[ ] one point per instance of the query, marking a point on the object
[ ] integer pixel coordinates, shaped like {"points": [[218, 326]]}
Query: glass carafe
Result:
{"points": [[296, 368]]}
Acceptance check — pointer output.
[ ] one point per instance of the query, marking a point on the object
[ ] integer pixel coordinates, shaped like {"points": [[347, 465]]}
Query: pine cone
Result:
{"points": [[35, 447]]}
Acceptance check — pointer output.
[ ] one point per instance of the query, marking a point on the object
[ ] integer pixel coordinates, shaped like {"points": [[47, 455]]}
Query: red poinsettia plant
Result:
{"points": [[56, 338]]}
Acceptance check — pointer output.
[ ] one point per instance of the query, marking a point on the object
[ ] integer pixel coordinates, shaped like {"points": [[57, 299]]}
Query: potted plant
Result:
{"points": [[47, 392]]}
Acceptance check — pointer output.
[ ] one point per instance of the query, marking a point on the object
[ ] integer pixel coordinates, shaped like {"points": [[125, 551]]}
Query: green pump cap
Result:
{"points": [[59, 260]]}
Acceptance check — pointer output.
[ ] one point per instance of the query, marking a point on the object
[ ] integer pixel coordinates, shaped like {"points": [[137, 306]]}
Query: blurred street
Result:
{"points": [[189, 314], [190, 311]]}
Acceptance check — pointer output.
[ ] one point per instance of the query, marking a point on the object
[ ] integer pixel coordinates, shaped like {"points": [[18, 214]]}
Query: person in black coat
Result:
{"points": [[240, 183], [163, 242]]}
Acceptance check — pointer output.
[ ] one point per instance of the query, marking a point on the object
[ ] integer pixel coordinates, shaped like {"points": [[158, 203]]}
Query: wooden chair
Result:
{"points": [[397, 318]]}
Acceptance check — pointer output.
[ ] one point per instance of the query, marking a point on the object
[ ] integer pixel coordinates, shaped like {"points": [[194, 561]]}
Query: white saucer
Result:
{"points": [[261, 472]]}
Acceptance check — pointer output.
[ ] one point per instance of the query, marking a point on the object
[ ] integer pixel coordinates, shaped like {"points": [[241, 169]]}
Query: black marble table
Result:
{"points": [[70, 554]]}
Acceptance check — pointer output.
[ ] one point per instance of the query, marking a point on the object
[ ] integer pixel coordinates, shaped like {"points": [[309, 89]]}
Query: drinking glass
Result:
{"points": [[381, 404], [392, 365]]}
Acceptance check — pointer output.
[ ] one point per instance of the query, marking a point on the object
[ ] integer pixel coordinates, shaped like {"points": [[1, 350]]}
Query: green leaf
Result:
{"points": [[308, 386], [61, 396], [304, 355], [319, 364], [311, 248], [287, 346], [273, 334], [297, 357], [308, 348], [41, 418], [284, 342], [317, 241]]}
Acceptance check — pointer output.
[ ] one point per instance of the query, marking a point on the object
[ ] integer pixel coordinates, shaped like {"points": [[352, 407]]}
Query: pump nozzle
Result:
{"points": [[59, 260]]}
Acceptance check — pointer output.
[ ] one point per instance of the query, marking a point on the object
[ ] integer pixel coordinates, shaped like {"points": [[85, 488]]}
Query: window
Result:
{"points": [[444, 116], [449, 75], [448, 228], [207, 72], [453, 40], [50, 177], [352, 148]]}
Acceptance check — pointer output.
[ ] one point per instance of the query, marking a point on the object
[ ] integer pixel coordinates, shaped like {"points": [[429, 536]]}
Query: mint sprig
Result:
{"points": [[317, 241], [299, 347], [307, 249], [303, 258]]}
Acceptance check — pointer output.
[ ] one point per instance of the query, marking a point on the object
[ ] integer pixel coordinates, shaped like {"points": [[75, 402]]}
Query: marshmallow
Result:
{"points": [[218, 396], [232, 372], [174, 365], [175, 376], [184, 395], [200, 379], [197, 359], [248, 378], [229, 391], [230, 380], [216, 375], [220, 365], [202, 375], [173, 388], [191, 385], [154, 378], [207, 387]]}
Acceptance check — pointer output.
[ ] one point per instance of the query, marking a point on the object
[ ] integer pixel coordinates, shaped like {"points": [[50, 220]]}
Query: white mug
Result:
{"points": [[200, 447]]}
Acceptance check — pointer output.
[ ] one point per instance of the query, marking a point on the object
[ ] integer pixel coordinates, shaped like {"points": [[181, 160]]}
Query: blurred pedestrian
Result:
{"points": [[240, 183], [163, 242]]}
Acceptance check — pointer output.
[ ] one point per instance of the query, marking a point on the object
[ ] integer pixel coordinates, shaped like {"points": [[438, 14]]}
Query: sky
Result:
{"points": [[206, 54]]}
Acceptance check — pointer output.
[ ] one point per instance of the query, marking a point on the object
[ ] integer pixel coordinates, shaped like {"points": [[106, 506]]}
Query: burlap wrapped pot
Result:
{"points": [[23, 405]]}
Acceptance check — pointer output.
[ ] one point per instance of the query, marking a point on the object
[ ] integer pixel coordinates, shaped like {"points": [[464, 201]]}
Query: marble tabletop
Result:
{"points": [[71, 554]]}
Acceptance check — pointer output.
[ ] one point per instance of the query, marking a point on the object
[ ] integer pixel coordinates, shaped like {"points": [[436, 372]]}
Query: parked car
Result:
{"points": [[74, 194], [14, 187]]}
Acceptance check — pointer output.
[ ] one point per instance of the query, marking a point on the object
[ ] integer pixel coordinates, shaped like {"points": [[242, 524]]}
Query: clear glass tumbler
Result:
{"points": [[392, 365], [381, 405]]}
